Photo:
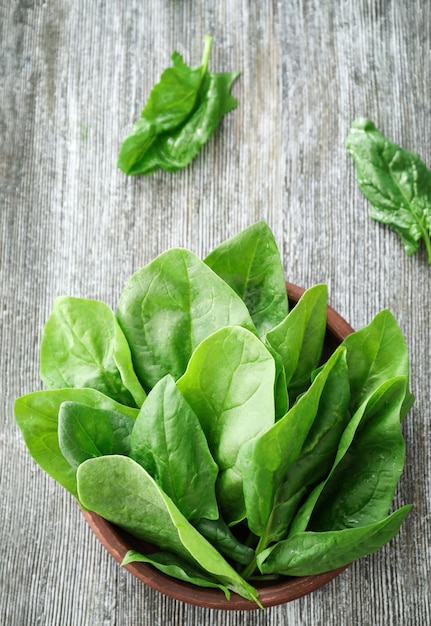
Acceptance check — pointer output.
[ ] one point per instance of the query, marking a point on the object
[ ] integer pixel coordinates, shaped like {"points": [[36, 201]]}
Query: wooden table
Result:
{"points": [[74, 76]]}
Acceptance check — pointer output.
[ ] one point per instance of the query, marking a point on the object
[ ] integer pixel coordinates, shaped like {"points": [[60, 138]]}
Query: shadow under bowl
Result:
{"points": [[285, 589]]}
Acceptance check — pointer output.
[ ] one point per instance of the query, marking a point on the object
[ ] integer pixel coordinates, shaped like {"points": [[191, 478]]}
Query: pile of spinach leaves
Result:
{"points": [[200, 417]]}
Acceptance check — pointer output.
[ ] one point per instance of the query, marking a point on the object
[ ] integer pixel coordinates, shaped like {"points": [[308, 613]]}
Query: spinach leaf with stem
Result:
{"points": [[182, 112], [309, 553], [250, 263], [168, 307], [85, 432], [395, 181], [37, 417], [121, 491], [83, 346], [265, 461], [229, 383], [168, 441], [345, 517]]}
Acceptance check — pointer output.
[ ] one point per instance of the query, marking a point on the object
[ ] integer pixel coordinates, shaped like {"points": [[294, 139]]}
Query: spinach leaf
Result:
{"points": [[298, 338], [384, 404], [183, 111], [83, 346], [281, 396], [395, 181], [121, 491], [376, 353], [250, 263], [319, 449], [220, 535], [168, 441], [229, 383], [310, 553], [361, 488], [37, 417], [173, 151], [168, 307], [265, 460], [173, 565], [85, 432]]}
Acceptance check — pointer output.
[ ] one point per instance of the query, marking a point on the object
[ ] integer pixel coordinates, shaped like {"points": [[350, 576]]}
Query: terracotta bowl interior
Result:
{"points": [[286, 589]]}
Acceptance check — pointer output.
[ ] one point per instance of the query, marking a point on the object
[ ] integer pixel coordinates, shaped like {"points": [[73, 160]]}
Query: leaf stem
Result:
{"points": [[427, 245], [249, 570], [206, 53]]}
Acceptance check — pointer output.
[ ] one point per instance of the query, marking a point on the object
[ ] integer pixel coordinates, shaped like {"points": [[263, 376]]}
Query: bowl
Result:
{"points": [[285, 589]]}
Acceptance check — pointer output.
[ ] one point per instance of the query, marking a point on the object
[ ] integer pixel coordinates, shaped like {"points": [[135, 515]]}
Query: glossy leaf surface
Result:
{"points": [[229, 383], [311, 553], [396, 182], [37, 417], [168, 307], [86, 431], [265, 460], [381, 408], [361, 489], [375, 354], [83, 346], [183, 111], [250, 263], [298, 339], [121, 491], [168, 441]]}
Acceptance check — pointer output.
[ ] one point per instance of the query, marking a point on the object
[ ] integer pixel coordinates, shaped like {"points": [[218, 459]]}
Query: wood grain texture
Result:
{"points": [[73, 77]]}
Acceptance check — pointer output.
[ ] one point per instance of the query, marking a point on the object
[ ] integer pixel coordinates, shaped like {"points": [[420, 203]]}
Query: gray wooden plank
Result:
{"points": [[74, 76]]}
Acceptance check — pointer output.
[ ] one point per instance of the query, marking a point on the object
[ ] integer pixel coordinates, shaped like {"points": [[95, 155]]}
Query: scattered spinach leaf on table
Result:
{"points": [[396, 182], [202, 417], [182, 112]]}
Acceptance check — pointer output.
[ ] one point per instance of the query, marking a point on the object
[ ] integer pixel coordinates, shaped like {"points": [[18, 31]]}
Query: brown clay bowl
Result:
{"points": [[285, 589]]}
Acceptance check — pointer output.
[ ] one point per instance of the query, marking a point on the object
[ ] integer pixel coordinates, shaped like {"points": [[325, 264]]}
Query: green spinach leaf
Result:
{"points": [[376, 353], [310, 553], [173, 565], [319, 449], [83, 346], [183, 111], [250, 263], [395, 181], [121, 491], [361, 488], [37, 417], [298, 338], [168, 307], [265, 460], [86, 431], [168, 441], [229, 383], [220, 535], [382, 405]]}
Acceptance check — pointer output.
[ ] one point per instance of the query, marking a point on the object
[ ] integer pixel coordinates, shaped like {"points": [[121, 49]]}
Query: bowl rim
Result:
{"points": [[117, 542]]}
